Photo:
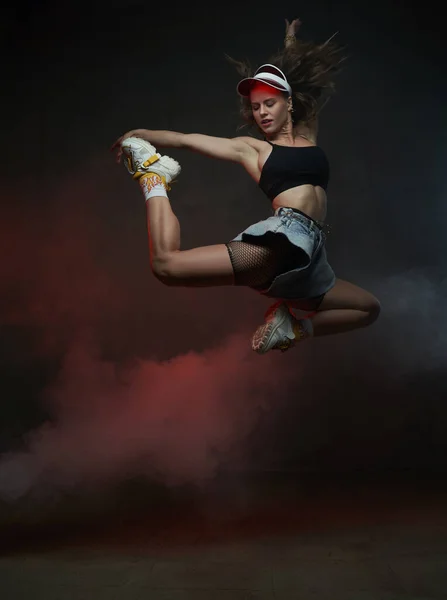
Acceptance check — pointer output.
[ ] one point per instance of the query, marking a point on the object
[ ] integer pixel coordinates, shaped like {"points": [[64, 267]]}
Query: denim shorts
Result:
{"points": [[313, 276]]}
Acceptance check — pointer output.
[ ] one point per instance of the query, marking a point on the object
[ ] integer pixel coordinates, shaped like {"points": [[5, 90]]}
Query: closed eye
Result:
{"points": [[268, 103]]}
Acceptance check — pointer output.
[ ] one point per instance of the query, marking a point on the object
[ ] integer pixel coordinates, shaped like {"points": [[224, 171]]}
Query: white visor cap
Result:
{"points": [[268, 74]]}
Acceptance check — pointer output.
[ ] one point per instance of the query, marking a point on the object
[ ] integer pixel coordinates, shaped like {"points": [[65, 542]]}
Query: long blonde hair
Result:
{"points": [[310, 69]]}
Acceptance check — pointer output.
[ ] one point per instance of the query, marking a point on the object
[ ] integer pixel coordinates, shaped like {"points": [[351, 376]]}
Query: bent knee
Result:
{"points": [[372, 312], [163, 270]]}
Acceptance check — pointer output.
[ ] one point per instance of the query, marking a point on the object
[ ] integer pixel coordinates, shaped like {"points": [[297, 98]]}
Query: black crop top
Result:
{"points": [[291, 166]]}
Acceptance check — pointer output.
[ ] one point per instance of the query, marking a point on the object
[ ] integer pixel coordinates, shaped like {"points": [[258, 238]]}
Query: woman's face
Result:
{"points": [[270, 109]]}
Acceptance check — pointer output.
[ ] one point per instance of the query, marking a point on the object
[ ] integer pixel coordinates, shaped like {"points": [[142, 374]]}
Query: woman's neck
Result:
{"points": [[289, 133], [288, 139]]}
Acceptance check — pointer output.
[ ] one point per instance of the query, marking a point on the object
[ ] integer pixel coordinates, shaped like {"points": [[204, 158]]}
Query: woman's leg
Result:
{"points": [[198, 267], [344, 308], [235, 263]]}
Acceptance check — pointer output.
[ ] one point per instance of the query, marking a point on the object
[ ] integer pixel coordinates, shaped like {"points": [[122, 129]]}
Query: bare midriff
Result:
{"points": [[309, 199]]}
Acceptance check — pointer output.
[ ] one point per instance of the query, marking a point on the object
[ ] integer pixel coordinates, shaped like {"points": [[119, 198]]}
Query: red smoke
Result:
{"points": [[176, 420]]}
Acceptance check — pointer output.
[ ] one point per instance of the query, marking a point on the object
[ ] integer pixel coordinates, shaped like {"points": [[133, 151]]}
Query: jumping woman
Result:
{"points": [[282, 257]]}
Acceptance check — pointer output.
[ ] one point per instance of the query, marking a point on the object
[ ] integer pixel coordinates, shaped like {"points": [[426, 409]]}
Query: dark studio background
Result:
{"points": [[106, 375]]}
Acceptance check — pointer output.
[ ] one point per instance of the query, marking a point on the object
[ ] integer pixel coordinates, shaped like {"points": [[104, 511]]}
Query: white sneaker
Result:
{"points": [[140, 157], [277, 333]]}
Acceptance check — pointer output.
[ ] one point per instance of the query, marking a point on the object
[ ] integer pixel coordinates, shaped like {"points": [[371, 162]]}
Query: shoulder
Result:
{"points": [[309, 129]]}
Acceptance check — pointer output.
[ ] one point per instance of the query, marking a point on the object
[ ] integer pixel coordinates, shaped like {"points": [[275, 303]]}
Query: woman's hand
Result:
{"points": [[117, 145], [292, 28]]}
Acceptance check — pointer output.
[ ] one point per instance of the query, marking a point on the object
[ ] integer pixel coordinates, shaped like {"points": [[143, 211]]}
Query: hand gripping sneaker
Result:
{"points": [[277, 333], [141, 158]]}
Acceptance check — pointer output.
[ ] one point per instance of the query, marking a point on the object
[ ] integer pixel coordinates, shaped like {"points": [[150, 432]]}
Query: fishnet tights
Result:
{"points": [[256, 266]]}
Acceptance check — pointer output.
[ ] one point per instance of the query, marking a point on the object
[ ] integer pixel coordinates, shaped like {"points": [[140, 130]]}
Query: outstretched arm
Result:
{"points": [[236, 149]]}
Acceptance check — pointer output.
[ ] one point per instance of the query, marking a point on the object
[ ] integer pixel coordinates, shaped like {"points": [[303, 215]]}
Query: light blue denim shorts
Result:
{"points": [[313, 276]]}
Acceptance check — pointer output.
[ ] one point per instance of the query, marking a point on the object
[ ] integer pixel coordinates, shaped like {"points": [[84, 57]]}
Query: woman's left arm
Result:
{"points": [[310, 129], [291, 31]]}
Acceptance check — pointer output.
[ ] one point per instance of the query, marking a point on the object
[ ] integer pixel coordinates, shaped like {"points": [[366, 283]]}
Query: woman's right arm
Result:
{"points": [[236, 149], [232, 149]]}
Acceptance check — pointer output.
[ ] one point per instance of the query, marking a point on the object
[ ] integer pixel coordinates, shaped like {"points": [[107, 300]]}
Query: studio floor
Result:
{"points": [[278, 537]]}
